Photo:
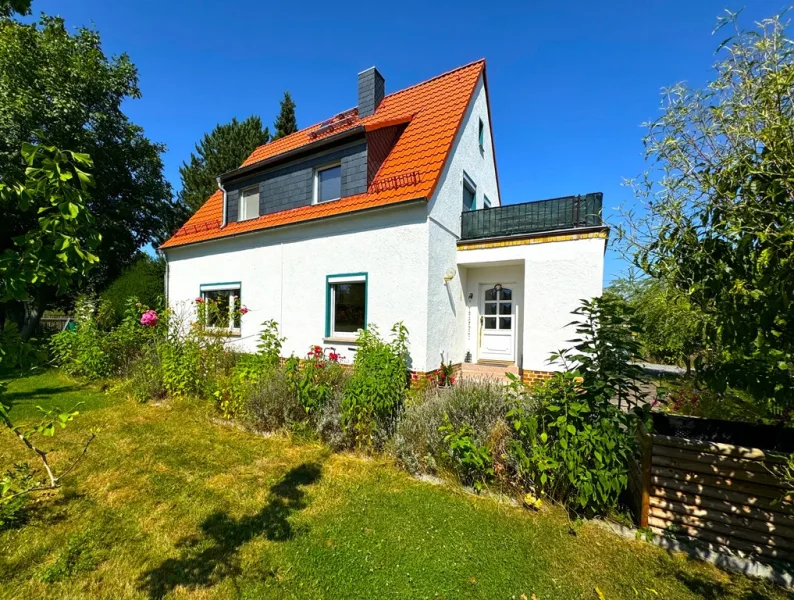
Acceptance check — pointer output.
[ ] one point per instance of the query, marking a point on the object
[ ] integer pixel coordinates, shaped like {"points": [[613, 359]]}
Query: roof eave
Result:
{"points": [[297, 223]]}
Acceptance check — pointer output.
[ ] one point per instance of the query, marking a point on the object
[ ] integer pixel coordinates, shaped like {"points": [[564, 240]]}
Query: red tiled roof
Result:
{"points": [[433, 111]]}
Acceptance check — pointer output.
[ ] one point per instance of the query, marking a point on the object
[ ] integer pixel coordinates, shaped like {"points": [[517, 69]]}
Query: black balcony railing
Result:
{"points": [[570, 212]]}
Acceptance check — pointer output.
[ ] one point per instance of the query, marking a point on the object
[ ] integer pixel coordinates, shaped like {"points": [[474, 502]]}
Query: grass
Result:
{"points": [[171, 503]]}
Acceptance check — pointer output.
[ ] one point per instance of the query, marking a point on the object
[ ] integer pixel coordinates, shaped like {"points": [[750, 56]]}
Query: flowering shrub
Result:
{"points": [[313, 379], [149, 318], [443, 375], [91, 352]]}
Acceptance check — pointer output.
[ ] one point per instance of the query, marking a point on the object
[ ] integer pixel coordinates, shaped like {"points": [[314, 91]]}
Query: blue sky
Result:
{"points": [[570, 81]]}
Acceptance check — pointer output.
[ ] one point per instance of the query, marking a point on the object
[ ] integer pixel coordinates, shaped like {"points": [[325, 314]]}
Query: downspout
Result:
{"points": [[221, 188]]}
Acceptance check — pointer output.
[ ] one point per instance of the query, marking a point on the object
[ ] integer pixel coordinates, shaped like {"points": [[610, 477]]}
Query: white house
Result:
{"points": [[391, 212]]}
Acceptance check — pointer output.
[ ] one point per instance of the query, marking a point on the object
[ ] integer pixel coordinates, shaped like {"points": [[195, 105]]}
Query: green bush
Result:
{"points": [[271, 403], [314, 379], [377, 389], [418, 441], [296, 395], [93, 353], [82, 352], [143, 280], [469, 458], [568, 450], [573, 441]]}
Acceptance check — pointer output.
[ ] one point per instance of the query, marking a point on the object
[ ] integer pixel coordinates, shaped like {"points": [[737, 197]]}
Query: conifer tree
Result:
{"points": [[223, 149], [285, 122]]}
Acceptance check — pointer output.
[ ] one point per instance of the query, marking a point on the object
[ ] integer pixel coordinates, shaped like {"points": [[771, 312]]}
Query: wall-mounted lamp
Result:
{"points": [[450, 274], [471, 296]]}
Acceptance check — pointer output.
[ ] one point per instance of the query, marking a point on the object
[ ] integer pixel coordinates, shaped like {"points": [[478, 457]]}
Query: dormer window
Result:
{"points": [[249, 204], [328, 183]]}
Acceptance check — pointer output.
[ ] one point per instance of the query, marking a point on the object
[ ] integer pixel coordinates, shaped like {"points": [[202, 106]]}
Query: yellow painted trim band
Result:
{"points": [[535, 240]]}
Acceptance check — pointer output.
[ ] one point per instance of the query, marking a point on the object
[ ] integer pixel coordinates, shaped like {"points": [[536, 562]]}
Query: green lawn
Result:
{"points": [[170, 503]]}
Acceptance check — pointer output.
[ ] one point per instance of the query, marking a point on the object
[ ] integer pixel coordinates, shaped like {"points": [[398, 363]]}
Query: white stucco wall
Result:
{"points": [[446, 328], [556, 277], [283, 275]]}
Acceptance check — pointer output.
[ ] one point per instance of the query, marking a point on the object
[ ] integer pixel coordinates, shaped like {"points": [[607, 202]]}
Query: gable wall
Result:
{"points": [[446, 300]]}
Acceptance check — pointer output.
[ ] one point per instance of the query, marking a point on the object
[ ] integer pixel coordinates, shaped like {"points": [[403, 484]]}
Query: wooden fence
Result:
{"points": [[725, 495], [53, 324]]}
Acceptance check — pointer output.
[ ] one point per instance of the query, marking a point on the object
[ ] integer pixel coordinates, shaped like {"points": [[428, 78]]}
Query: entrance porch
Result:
{"points": [[524, 268]]}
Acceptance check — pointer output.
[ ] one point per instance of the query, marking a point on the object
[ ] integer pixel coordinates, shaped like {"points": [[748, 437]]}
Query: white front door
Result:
{"points": [[497, 323]]}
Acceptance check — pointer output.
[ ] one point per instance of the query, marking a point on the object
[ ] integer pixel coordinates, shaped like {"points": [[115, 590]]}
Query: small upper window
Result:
{"points": [[249, 204], [481, 135], [486, 202], [469, 194], [328, 183]]}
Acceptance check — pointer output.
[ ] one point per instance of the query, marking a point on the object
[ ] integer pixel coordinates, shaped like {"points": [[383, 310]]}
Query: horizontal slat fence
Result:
{"points": [[728, 496]]}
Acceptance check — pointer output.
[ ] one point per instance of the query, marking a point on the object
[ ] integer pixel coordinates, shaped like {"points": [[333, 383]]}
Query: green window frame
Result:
{"points": [[330, 302]]}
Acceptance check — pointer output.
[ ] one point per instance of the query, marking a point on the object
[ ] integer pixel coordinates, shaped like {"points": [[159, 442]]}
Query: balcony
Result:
{"points": [[569, 212]]}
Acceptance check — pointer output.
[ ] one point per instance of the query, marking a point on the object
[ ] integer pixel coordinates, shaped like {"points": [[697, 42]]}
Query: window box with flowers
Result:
{"points": [[219, 308]]}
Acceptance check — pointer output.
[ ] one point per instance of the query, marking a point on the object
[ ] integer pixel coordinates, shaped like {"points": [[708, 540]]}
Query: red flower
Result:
{"points": [[333, 356], [243, 310], [199, 300]]}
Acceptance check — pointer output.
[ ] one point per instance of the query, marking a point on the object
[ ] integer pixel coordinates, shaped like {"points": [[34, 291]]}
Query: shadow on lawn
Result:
{"points": [[41, 393], [708, 589], [212, 556]]}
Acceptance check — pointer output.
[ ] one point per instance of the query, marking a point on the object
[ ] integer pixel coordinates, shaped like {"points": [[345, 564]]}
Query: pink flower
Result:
{"points": [[149, 318], [243, 310], [199, 300]]}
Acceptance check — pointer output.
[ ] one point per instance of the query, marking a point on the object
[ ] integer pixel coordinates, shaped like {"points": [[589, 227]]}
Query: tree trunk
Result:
{"points": [[35, 311], [15, 313]]}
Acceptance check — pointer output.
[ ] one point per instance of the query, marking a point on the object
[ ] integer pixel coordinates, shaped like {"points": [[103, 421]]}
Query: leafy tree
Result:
{"points": [[65, 86], [717, 221], [671, 328], [9, 7], [286, 122], [57, 250], [223, 149]]}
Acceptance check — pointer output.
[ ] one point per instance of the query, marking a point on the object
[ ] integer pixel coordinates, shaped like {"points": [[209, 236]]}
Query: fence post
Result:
{"points": [[645, 440]]}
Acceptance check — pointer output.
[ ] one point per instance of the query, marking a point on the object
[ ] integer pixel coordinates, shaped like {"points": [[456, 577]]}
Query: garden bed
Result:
{"points": [[170, 504]]}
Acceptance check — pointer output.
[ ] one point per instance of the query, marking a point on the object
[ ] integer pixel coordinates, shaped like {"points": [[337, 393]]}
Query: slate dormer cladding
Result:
{"points": [[291, 185]]}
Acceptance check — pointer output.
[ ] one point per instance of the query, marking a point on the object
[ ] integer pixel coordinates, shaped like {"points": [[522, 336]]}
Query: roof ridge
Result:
{"points": [[450, 72], [410, 87]]}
